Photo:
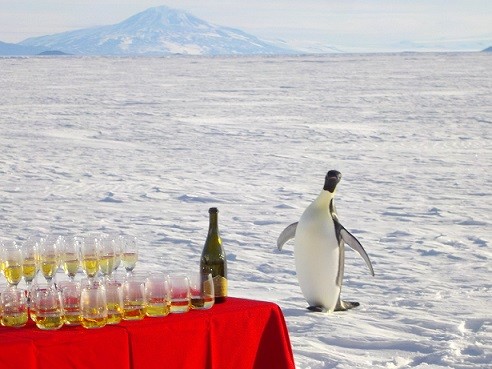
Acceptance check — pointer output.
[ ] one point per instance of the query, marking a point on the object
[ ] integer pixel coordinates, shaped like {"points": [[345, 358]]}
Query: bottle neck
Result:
{"points": [[213, 226]]}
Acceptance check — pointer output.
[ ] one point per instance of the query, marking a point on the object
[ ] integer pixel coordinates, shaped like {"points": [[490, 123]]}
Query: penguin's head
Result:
{"points": [[331, 180]]}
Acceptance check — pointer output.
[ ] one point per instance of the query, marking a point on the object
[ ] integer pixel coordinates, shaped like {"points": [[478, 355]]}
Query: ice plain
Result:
{"points": [[146, 145]]}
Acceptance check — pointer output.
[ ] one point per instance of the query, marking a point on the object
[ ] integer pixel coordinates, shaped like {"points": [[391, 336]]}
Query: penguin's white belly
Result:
{"points": [[317, 258]]}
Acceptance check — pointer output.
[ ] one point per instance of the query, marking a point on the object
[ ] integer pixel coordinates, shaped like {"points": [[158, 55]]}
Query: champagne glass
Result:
{"points": [[69, 256], [118, 252], [48, 256], [89, 255], [106, 257], [130, 252], [12, 263], [30, 261], [2, 257]]}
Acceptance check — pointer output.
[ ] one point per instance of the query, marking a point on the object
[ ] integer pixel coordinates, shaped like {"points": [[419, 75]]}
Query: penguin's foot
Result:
{"points": [[341, 306], [317, 309], [346, 305]]}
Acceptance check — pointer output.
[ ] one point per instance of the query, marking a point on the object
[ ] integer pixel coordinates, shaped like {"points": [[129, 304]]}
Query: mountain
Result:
{"points": [[156, 31], [7, 49], [489, 49]]}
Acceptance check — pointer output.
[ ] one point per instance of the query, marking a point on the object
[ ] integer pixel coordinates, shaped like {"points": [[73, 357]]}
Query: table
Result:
{"points": [[236, 334]]}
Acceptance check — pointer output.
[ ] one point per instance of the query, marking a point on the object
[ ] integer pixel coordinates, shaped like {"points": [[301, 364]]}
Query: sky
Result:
{"points": [[345, 24]]}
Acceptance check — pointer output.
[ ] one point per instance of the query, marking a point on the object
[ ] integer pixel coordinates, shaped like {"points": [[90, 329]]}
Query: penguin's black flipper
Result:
{"points": [[354, 243], [286, 235]]}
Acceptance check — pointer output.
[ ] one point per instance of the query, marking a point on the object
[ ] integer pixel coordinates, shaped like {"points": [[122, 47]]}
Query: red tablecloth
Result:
{"points": [[236, 334]]}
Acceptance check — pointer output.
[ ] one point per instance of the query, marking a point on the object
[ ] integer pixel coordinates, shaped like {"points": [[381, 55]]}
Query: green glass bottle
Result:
{"points": [[214, 258]]}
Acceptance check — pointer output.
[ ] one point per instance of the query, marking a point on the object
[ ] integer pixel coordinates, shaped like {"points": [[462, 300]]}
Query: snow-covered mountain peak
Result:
{"points": [[163, 17], [157, 31]]}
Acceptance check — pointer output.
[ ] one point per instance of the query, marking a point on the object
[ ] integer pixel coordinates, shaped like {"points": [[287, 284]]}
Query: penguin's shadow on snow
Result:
{"points": [[292, 312], [283, 252], [297, 312]]}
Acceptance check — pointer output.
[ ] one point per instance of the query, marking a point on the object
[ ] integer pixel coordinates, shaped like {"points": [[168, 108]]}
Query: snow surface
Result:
{"points": [[147, 145]]}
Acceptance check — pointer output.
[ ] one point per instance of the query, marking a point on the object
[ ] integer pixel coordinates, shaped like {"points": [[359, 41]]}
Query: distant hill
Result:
{"points": [[156, 31], [489, 49], [53, 52]]}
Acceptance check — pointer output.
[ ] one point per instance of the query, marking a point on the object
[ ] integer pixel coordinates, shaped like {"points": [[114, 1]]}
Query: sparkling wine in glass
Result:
{"points": [[106, 256], [30, 260], [118, 251], [89, 256], [48, 257], [12, 262], [2, 251], [69, 256], [130, 252]]}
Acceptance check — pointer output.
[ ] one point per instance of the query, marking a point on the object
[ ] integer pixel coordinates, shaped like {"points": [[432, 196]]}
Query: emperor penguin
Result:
{"points": [[319, 250]]}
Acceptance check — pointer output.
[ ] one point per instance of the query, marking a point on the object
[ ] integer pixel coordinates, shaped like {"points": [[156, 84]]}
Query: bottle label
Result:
{"points": [[220, 286]]}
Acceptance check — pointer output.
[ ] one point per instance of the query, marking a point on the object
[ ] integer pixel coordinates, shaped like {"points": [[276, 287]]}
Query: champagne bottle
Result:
{"points": [[213, 258]]}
